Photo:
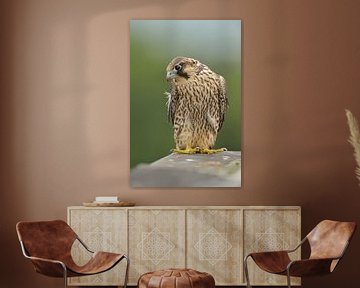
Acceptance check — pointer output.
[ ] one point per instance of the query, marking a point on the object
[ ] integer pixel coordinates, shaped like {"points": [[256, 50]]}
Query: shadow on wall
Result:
{"points": [[68, 88], [60, 148]]}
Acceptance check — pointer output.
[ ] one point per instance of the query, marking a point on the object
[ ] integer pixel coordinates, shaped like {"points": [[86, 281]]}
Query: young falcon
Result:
{"points": [[196, 105]]}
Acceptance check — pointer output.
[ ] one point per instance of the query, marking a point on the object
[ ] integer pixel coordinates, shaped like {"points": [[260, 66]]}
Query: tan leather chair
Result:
{"points": [[328, 242], [48, 245]]}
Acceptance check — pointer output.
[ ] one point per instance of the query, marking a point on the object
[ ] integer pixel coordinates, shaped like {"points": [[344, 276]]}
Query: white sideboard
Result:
{"points": [[212, 239]]}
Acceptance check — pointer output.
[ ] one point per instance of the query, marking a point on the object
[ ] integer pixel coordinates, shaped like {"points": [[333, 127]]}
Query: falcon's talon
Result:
{"points": [[212, 151], [197, 150], [186, 151]]}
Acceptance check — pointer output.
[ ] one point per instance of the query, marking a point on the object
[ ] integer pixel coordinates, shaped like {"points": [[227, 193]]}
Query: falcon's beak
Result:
{"points": [[171, 74]]}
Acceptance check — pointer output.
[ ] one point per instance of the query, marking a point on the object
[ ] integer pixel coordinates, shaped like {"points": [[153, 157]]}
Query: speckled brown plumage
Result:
{"points": [[197, 103]]}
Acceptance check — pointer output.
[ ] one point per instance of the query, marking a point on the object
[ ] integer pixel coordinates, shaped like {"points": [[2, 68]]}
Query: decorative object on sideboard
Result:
{"points": [[108, 201], [48, 245], [107, 204], [354, 139], [328, 242]]}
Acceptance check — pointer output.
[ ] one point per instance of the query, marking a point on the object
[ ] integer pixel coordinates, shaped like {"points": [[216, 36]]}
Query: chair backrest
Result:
{"points": [[46, 239], [329, 239]]}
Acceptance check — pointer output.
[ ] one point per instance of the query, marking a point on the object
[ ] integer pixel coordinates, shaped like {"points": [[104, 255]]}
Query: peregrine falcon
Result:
{"points": [[196, 104]]}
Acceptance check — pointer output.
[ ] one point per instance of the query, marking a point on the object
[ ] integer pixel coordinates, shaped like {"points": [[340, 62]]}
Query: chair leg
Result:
{"points": [[288, 278], [65, 276], [127, 271], [246, 270]]}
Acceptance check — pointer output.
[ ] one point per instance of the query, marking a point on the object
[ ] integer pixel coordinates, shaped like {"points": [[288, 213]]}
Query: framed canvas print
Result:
{"points": [[185, 103]]}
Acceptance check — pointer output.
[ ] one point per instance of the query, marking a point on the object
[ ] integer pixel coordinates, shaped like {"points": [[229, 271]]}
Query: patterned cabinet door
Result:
{"points": [[270, 230], [101, 230], [156, 240], [214, 244]]}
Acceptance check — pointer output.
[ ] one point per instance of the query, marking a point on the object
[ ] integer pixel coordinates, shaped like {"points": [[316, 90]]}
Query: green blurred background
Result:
{"points": [[153, 44]]}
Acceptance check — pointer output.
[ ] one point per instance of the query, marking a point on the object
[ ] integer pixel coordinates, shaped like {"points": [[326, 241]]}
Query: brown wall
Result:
{"points": [[65, 113]]}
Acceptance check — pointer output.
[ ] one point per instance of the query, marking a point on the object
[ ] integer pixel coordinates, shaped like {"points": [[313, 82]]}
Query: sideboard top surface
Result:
{"points": [[193, 207]]}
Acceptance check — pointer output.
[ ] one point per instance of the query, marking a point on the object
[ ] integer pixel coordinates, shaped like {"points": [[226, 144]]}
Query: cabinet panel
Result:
{"points": [[269, 230], [209, 239], [156, 240], [214, 242], [101, 230]]}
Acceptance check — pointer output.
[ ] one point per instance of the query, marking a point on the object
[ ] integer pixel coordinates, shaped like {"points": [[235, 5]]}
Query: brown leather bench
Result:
{"points": [[176, 278]]}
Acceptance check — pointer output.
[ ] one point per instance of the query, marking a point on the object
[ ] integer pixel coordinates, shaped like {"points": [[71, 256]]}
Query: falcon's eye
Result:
{"points": [[177, 67]]}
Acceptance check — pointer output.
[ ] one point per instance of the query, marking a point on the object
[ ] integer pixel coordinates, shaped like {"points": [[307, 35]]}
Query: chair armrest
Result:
{"points": [[309, 267], [83, 244], [48, 267], [271, 261], [298, 246], [45, 260], [267, 254], [280, 251]]}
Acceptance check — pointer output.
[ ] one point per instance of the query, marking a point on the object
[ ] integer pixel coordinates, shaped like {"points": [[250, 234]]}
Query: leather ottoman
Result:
{"points": [[176, 278]]}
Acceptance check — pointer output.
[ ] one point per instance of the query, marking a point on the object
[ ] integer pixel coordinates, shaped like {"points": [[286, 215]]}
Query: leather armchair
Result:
{"points": [[48, 245], [328, 242]]}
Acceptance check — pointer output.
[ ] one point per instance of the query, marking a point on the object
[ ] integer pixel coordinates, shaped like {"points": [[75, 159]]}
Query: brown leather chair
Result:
{"points": [[48, 245], [328, 242]]}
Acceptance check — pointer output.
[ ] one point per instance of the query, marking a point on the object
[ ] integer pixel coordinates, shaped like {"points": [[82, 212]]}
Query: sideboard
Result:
{"points": [[213, 239]]}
